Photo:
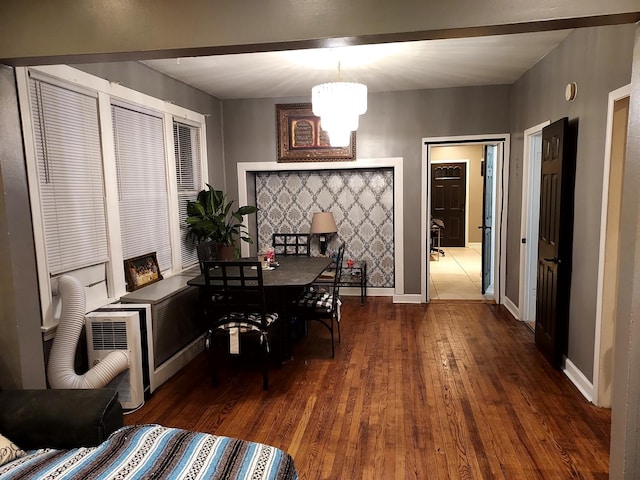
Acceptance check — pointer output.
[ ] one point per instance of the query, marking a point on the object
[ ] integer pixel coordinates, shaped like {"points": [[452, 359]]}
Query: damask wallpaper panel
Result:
{"points": [[361, 201]]}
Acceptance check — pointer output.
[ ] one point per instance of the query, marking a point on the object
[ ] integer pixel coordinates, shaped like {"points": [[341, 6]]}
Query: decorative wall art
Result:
{"points": [[300, 138], [361, 201]]}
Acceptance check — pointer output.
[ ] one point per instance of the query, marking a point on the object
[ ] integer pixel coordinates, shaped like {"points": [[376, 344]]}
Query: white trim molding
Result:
{"points": [[600, 345], [525, 227], [245, 169], [501, 199], [578, 378], [407, 298], [511, 307]]}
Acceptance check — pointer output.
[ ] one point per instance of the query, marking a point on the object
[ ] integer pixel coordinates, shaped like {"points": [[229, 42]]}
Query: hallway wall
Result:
{"points": [[599, 60]]}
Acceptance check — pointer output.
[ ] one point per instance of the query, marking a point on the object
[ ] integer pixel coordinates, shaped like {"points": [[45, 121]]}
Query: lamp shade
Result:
{"points": [[323, 222]]}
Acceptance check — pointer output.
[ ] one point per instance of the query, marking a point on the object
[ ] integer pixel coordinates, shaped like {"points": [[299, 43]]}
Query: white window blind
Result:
{"points": [[188, 174], [142, 184], [69, 158]]}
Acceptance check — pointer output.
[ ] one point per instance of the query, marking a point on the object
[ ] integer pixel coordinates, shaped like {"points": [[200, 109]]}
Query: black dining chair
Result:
{"points": [[321, 305], [237, 311], [206, 253], [291, 244]]}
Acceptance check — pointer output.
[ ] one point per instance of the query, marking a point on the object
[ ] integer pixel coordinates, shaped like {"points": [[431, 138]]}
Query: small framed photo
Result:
{"points": [[141, 271]]}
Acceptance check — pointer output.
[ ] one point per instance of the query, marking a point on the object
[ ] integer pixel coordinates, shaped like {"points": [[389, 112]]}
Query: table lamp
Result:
{"points": [[323, 224]]}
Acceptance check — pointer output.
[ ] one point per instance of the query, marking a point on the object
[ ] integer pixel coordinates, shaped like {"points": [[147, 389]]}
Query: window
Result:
{"points": [[71, 186], [142, 184], [189, 180], [102, 181]]}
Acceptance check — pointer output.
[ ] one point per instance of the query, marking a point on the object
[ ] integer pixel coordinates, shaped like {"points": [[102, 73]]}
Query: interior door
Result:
{"points": [[555, 240], [490, 152], [448, 197]]}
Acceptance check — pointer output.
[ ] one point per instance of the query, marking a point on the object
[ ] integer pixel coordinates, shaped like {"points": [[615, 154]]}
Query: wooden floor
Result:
{"points": [[449, 390]]}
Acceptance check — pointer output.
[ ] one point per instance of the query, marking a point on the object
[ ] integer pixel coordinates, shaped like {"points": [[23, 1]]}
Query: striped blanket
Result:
{"points": [[156, 452]]}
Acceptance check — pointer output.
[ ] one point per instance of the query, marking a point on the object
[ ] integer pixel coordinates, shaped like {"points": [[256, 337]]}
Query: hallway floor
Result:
{"points": [[457, 274]]}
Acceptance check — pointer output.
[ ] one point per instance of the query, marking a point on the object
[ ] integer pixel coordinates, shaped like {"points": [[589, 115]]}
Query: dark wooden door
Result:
{"points": [[448, 197], [555, 240], [490, 153]]}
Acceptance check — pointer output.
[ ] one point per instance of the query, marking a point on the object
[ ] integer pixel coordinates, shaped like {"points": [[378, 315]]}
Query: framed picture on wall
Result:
{"points": [[300, 137], [141, 271]]}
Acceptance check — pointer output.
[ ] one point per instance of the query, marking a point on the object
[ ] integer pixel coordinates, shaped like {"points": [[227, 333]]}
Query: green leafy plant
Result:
{"points": [[211, 218]]}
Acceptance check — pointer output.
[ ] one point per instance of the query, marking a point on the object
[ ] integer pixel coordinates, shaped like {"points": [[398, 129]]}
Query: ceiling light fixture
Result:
{"points": [[339, 106]]}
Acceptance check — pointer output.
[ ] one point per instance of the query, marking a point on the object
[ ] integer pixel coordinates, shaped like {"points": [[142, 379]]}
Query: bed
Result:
{"points": [[156, 452]]}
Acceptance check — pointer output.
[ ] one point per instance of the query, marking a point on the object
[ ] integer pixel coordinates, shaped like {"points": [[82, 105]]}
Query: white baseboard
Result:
{"points": [[371, 292], [513, 310], [169, 368], [408, 298], [576, 377]]}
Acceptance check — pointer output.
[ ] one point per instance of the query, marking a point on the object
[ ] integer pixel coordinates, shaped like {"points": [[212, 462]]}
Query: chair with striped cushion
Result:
{"points": [[323, 306], [291, 244], [237, 310]]}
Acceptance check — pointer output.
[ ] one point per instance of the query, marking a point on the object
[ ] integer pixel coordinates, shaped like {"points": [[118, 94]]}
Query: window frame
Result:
{"points": [[178, 192], [114, 285]]}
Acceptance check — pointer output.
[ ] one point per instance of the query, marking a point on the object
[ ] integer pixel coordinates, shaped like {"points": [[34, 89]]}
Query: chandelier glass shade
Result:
{"points": [[339, 106]]}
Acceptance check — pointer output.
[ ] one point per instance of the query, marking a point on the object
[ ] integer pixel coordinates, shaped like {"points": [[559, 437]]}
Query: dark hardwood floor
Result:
{"points": [[448, 390]]}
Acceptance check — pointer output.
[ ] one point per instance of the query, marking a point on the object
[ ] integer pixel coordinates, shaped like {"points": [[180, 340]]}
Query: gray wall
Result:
{"points": [[599, 61], [625, 416], [394, 126], [41, 27], [141, 78], [21, 350]]}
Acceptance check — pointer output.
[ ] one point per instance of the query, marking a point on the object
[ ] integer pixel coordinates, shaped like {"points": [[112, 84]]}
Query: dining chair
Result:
{"points": [[291, 244], [206, 253], [321, 305], [236, 311]]}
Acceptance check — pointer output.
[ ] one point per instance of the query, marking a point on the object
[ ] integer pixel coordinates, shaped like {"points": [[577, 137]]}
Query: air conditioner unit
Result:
{"points": [[109, 331]]}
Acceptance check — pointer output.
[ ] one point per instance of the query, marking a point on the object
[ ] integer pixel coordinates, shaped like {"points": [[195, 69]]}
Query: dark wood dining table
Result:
{"points": [[292, 272], [282, 285]]}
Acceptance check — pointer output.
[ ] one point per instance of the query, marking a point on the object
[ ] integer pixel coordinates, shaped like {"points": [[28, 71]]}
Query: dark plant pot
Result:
{"points": [[226, 252]]}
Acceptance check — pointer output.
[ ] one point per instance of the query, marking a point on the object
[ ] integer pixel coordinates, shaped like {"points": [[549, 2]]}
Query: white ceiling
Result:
{"points": [[492, 60]]}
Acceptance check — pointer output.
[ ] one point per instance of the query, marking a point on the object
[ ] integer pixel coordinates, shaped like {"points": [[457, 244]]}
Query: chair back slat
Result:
{"points": [[291, 244], [206, 253], [234, 287], [336, 280]]}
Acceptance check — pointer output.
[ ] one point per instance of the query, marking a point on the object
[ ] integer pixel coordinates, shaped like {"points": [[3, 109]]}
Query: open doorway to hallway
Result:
{"points": [[456, 203], [468, 216]]}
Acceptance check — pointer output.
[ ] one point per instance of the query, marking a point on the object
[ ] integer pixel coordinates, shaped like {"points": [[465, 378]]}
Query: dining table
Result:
{"points": [[291, 272], [283, 283]]}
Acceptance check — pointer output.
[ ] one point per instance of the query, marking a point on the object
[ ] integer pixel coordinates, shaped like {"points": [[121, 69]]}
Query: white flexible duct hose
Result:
{"points": [[61, 371]]}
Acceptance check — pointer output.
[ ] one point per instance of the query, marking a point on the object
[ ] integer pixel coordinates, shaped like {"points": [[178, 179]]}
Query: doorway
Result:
{"points": [[449, 199], [531, 168], [480, 229], [609, 253]]}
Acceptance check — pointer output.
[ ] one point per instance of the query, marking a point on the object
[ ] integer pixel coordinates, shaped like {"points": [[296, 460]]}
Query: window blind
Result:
{"points": [[69, 159], [142, 184], [188, 174]]}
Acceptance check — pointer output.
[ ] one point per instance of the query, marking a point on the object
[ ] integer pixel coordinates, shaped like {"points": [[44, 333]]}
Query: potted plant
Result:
{"points": [[211, 218]]}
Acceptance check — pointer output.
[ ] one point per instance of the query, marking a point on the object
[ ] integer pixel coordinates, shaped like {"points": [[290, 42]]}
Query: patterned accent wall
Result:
{"points": [[361, 201]]}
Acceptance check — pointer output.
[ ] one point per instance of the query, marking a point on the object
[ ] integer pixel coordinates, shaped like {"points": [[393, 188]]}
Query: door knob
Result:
{"points": [[555, 260]]}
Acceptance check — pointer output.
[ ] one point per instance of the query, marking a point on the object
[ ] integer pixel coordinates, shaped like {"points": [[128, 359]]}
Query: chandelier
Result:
{"points": [[339, 106]]}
